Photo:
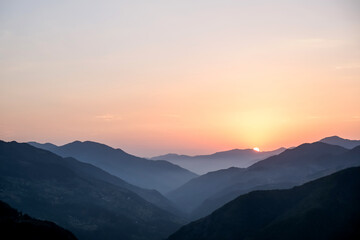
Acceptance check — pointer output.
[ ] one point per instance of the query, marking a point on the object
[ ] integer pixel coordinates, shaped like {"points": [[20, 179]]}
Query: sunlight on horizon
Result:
{"points": [[256, 149]]}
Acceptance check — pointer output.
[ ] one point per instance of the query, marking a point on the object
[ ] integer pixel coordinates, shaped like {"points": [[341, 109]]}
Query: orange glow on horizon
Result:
{"points": [[187, 77]]}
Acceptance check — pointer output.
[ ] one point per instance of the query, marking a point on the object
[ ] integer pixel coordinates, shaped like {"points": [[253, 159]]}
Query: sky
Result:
{"points": [[189, 77]]}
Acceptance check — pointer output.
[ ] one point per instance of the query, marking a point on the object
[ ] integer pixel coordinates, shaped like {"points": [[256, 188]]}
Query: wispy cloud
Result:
{"points": [[348, 66], [171, 115], [108, 117], [355, 119], [317, 42]]}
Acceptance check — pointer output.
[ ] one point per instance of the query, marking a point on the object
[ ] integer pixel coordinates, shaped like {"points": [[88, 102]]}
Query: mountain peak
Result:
{"points": [[77, 142], [336, 140], [90, 144], [333, 137]]}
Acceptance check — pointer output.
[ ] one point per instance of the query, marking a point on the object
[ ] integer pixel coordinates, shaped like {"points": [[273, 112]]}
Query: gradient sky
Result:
{"points": [[190, 77]]}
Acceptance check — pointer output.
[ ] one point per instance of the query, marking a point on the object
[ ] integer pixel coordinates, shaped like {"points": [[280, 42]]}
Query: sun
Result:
{"points": [[256, 149]]}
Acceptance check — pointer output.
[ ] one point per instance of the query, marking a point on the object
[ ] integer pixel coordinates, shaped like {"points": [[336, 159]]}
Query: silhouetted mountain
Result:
{"points": [[76, 196], [88, 170], [15, 225], [327, 208], [160, 175], [346, 143], [202, 164], [202, 195]]}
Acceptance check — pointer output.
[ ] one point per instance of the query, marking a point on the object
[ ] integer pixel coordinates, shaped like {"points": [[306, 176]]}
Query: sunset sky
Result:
{"points": [[190, 77]]}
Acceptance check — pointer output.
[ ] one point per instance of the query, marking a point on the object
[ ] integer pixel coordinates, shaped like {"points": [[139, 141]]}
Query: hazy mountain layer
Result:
{"points": [[160, 175], [204, 194], [88, 170], [202, 164], [62, 190], [327, 208]]}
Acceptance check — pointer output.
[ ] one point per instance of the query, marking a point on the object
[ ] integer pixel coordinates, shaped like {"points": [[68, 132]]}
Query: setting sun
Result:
{"points": [[184, 77], [256, 149]]}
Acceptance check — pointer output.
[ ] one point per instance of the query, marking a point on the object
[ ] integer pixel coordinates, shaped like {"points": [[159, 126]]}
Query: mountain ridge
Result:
{"points": [[160, 175], [17, 225], [310, 211], [153, 196], [336, 140]]}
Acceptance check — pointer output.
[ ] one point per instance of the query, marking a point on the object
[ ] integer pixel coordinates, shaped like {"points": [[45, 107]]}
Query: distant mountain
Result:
{"points": [[78, 196], [327, 208], [152, 196], [346, 143], [160, 175], [15, 225], [202, 164], [202, 195]]}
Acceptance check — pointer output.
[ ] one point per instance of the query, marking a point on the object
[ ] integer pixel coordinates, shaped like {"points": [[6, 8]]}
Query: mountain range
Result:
{"points": [[160, 175], [327, 208], [202, 164], [240, 158], [202, 195], [89, 197], [80, 197]]}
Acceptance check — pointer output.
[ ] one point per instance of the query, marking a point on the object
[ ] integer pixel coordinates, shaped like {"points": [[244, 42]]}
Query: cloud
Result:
{"points": [[348, 67], [171, 115], [314, 117], [108, 117], [356, 118], [317, 43]]}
